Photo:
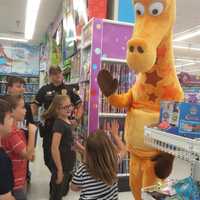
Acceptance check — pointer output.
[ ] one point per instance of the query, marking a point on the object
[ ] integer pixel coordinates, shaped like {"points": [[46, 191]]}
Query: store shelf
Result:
{"points": [[113, 60], [20, 75], [112, 115], [123, 175], [86, 45], [5, 82], [181, 147]]}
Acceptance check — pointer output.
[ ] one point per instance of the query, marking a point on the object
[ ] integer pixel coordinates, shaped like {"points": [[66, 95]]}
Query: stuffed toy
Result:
{"points": [[150, 54]]}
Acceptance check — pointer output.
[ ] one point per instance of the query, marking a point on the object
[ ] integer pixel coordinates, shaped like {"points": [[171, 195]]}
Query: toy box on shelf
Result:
{"points": [[180, 118], [191, 87], [185, 189], [104, 46], [31, 86]]}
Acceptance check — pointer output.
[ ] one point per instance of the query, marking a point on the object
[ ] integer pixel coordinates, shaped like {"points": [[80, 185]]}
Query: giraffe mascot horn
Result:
{"points": [[150, 54]]}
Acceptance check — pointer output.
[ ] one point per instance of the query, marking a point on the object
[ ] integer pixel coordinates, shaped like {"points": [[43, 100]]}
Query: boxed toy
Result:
{"points": [[187, 189], [180, 119], [189, 122], [169, 116]]}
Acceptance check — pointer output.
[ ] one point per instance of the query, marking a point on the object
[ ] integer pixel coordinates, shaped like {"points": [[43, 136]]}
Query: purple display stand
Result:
{"points": [[108, 41]]}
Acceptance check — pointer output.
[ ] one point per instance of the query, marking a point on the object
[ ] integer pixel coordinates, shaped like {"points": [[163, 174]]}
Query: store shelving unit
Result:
{"points": [[104, 46], [191, 86], [181, 147]]}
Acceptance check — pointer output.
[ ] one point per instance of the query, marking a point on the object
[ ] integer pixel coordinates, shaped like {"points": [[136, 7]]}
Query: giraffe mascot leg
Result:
{"points": [[150, 55]]}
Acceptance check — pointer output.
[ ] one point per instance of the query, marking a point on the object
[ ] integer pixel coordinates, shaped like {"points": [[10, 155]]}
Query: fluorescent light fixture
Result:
{"points": [[186, 48], [13, 39], [184, 65], [187, 36], [32, 9], [187, 60], [190, 33]]}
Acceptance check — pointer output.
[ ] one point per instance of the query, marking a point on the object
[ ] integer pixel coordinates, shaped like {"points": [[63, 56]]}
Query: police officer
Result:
{"points": [[46, 94]]}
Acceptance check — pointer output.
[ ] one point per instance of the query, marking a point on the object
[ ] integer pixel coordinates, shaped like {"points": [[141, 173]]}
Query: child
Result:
{"points": [[61, 142], [16, 86], [6, 175], [97, 177], [15, 146]]}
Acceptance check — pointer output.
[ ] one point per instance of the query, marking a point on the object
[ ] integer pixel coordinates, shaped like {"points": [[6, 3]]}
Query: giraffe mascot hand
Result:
{"points": [[150, 54]]}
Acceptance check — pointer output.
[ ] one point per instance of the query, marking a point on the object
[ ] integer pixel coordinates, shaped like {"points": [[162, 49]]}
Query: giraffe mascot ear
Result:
{"points": [[107, 84]]}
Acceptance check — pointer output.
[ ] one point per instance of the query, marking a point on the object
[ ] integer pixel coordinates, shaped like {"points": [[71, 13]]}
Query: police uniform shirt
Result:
{"points": [[48, 92]]}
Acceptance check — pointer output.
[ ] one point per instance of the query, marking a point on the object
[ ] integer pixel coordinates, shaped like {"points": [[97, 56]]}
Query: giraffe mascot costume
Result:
{"points": [[150, 55]]}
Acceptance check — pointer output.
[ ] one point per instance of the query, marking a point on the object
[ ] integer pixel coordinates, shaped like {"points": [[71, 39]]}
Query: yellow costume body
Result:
{"points": [[150, 55]]}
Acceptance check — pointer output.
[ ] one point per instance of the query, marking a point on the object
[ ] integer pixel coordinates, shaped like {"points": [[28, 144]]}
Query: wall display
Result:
{"points": [[126, 11], [19, 58], [80, 14], [69, 35], [97, 9], [44, 57], [56, 56]]}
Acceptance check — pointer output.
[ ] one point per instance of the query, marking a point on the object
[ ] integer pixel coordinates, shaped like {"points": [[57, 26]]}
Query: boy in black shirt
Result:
{"points": [[6, 176]]}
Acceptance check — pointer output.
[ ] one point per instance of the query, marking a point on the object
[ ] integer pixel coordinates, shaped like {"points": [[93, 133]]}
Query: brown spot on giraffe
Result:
{"points": [[152, 78]]}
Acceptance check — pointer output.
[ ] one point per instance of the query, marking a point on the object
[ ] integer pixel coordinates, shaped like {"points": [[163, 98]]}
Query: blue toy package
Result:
{"points": [[187, 189], [189, 122], [169, 116]]}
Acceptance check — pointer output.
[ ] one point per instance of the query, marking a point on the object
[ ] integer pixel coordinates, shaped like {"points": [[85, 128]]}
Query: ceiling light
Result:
{"points": [[32, 9], [188, 64], [187, 60], [13, 39], [187, 36], [186, 48], [190, 33]]}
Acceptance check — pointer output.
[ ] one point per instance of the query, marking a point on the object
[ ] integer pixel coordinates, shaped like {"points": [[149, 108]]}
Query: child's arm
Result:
{"points": [[79, 147], [31, 139], [19, 147], [114, 129], [7, 196], [28, 152], [75, 188], [77, 180], [56, 156]]}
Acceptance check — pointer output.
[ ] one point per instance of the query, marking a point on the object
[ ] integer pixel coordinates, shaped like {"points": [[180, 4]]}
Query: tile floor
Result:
{"points": [[38, 189]]}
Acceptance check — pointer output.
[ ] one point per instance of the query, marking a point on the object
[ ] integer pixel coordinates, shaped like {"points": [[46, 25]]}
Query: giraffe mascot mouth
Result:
{"points": [[150, 54]]}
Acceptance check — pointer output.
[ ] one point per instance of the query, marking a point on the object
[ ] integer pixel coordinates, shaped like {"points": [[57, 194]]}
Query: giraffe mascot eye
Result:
{"points": [[139, 7], [156, 9]]}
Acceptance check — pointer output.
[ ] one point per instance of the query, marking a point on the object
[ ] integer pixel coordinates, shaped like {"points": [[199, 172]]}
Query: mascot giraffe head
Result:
{"points": [[154, 23]]}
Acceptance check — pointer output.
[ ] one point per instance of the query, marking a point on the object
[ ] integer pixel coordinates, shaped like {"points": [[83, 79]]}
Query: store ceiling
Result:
{"points": [[12, 17]]}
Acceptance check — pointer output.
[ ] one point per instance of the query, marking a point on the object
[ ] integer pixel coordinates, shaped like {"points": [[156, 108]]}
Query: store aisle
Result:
{"points": [[38, 189]]}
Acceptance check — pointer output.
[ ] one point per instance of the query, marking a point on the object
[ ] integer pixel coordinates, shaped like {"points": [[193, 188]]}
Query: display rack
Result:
{"points": [[191, 86], [104, 45], [181, 147]]}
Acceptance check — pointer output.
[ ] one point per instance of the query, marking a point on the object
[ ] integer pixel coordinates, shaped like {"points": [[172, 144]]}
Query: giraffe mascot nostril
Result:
{"points": [[150, 55]]}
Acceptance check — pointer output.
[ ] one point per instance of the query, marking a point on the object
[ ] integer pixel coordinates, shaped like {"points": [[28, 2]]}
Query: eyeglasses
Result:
{"points": [[66, 107]]}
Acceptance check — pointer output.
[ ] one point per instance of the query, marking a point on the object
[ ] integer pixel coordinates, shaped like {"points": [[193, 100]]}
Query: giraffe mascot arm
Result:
{"points": [[150, 54]]}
